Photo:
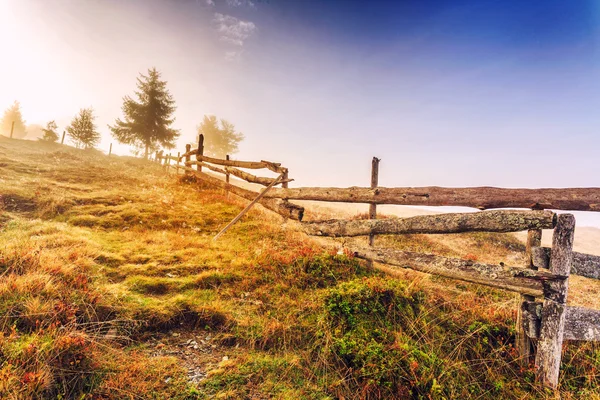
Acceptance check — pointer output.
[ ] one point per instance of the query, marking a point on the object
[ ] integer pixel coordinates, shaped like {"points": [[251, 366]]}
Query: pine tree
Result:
{"points": [[148, 120], [50, 134], [83, 130], [219, 140], [13, 114]]}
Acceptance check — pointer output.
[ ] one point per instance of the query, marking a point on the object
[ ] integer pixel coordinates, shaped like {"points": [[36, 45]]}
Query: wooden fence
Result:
{"points": [[544, 320]]}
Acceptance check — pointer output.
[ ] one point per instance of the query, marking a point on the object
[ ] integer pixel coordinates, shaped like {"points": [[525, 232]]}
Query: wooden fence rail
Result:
{"points": [[514, 279], [486, 221], [583, 264], [482, 198], [547, 322]]}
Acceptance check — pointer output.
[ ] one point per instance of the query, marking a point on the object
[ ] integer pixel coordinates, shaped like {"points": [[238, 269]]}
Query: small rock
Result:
{"points": [[225, 358], [168, 380]]}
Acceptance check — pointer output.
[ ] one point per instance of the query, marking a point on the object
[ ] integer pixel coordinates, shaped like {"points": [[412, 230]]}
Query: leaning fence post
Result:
{"points": [[523, 342], [374, 184], [188, 148], [12, 128], [63, 138], [200, 152], [110, 150], [285, 178], [547, 360]]}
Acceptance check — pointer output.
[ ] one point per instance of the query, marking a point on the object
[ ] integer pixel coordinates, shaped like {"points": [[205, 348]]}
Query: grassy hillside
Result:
{"points": [[112, 288]]}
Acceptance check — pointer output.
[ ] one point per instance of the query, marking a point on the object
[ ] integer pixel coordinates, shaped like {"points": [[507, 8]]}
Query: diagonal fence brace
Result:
{"points": [[249, 206]]}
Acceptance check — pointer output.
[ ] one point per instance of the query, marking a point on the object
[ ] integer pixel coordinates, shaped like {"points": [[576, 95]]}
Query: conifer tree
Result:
{"points": [[50, 134], [13, 114], [148, 119], [83, 130]]}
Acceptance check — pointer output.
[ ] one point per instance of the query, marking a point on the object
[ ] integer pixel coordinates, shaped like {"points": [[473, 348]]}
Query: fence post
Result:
{"points": [[156, 156], [200, 152], [227, 174], [188, 148], [284, 178], [523, 342], [110, 150], [374, 184], [63, 138], [547, 359], [177, 168], [12, 128]]}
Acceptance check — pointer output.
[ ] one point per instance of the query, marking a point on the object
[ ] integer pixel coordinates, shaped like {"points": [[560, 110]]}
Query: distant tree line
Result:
{"points": [[147, 123]]}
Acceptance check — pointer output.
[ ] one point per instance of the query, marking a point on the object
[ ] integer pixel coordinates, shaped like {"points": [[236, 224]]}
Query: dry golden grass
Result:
{"points": [[106, 262]]}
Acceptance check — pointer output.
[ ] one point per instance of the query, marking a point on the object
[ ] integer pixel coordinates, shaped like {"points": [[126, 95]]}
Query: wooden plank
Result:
{"points": [[547, 360], [583, 264], [281, 207], [514, 279], [482, 198], [485, 221]]}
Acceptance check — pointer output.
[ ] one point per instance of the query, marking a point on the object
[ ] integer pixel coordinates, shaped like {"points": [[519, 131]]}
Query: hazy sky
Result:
{"points": [[450, 93]]}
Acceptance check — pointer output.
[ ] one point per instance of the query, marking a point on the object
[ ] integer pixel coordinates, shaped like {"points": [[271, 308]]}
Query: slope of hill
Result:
{"points": [[111, 287]]}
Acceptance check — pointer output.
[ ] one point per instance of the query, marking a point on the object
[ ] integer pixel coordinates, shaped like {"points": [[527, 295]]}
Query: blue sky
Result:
{"points": [[449, 93]]}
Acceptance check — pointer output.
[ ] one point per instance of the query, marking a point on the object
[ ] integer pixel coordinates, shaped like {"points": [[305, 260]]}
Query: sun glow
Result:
{"points": [[29, 71]]}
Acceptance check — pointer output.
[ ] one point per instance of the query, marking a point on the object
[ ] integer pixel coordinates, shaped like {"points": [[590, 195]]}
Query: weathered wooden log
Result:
{"points": [[531, 317], [227, 175], [524, 344], [374, 184], [240, 174], [281, 207], [580, 323], [211, 167], [200, 151], [249, 177], [485, 221], [248, 207], [187, 157], [583, 264], [547, 359], [482, 198], [275, 167], [514, 279]]}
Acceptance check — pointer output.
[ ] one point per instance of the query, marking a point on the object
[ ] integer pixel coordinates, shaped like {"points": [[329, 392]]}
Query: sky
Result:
{"points": [[448, 93]]}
